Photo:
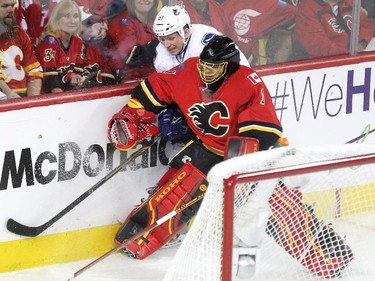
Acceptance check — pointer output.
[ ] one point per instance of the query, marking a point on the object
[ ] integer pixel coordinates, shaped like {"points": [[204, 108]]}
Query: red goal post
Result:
{"points": [[336, 182]]}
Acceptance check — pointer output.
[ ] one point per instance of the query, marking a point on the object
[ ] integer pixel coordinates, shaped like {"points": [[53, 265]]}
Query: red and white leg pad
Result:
{"points": [[306, 238], [186, 184]]}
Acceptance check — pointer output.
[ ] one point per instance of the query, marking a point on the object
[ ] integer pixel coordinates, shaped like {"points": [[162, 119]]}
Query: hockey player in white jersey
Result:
{"points": [[179, 39]]}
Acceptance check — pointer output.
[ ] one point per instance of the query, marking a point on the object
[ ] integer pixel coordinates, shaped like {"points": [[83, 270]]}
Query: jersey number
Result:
{"points": [[49, 55]]}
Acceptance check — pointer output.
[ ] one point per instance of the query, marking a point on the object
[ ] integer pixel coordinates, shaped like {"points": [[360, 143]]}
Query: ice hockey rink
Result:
{"points": [[118, 267], [113, 268]]}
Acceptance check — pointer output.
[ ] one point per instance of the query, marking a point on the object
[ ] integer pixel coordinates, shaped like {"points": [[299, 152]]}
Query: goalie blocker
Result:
{"points": [[186, 184], [292, 224]]}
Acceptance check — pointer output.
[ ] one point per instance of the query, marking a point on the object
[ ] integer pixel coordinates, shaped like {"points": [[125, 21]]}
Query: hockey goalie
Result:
{"points": [[219, 99]]}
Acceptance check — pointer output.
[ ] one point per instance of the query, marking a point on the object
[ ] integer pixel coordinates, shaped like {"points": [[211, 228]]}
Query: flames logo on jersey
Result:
{"points": [[337, 27], [210, 118]]}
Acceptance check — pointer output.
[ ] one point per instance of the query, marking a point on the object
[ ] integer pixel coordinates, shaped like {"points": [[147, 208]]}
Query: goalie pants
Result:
{"points": [[198, 155]]}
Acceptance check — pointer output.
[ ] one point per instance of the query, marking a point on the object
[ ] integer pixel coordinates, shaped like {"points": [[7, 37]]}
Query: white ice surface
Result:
{"points": [[113, 268]]}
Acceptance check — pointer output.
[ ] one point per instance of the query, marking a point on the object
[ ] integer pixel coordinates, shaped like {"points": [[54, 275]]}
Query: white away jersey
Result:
{"points": [[200, 35]]}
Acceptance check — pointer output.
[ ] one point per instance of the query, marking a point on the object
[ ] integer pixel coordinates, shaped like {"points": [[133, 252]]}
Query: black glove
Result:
{"points": [[143, 54], [92, 77]]}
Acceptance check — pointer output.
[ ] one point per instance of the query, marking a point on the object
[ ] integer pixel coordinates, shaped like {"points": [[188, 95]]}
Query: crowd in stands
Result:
{"points": [[52, 46]]}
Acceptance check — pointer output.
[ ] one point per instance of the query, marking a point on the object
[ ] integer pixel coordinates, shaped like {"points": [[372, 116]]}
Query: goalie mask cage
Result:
{"points": [[337, 192]]}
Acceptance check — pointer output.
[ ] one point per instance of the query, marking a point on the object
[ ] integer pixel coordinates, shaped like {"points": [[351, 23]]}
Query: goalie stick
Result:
{"points": [[139, 234], [32, 231]]}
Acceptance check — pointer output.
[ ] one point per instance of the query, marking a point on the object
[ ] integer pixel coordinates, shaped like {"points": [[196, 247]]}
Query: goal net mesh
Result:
{"points": [[339, 200]]}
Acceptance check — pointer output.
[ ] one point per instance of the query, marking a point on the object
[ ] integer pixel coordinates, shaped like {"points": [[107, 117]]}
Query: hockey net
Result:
{"points": [[337, 188]]}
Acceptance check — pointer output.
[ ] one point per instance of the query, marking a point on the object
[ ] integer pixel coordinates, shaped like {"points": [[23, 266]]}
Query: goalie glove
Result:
{"points": [[129, 126]]}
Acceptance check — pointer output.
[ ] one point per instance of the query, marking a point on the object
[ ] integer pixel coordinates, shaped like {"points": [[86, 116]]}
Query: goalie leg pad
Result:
{"points": [[187, 183], [306, 238]]}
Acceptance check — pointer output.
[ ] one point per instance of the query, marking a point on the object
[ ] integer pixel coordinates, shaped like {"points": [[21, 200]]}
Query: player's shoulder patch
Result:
{"points": [[254, 78], [207, 37]]}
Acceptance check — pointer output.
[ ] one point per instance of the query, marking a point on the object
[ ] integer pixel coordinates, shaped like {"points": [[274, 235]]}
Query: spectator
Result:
{"points": [[323, 28], [179, 39], [208, 12], [133, 27], [93, 34], [20, 72], [35, 14], [93, 25], [255, 21], [62, 53]]}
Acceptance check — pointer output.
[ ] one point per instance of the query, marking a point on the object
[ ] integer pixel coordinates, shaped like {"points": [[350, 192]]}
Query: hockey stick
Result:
{"points": [[139, 234], [32, 231], [162, 157], [131, 55]]}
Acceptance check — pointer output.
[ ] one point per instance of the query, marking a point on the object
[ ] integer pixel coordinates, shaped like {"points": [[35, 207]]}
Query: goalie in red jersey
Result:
{"points": [[228, 110], [219, 98]]}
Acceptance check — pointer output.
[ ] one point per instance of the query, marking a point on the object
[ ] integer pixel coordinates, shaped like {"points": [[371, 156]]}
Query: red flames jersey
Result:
{"points": [[58, 61], [241, 106], [251, 20], [321, 33], [18, 62]]}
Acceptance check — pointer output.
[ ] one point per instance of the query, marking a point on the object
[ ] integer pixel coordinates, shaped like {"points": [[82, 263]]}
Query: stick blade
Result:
{"points": [[20, 229]]}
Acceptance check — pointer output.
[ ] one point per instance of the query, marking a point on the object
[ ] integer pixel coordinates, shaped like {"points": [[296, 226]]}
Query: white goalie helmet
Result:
{"points": [[171, 19]]}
